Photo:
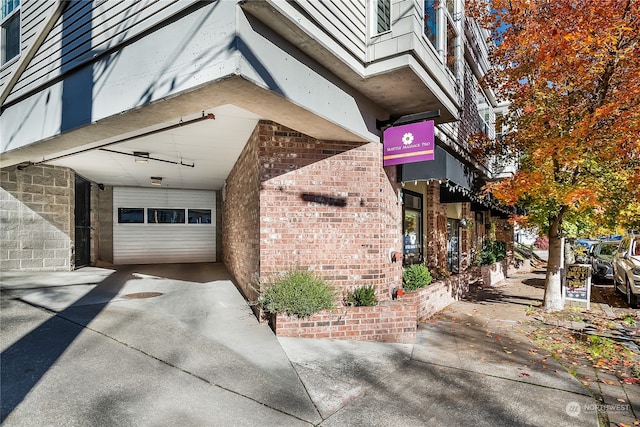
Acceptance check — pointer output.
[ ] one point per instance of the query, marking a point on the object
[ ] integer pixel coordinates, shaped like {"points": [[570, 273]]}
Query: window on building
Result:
{"points": [[383, 16], [431, 21], [452, 41], [439, 15], [453, 245], [165, 216], [412, 247], [10, 30]]}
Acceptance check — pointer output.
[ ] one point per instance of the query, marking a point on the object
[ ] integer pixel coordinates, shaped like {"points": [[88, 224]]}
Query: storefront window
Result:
{"points": [[453, 245], [412, 228]]}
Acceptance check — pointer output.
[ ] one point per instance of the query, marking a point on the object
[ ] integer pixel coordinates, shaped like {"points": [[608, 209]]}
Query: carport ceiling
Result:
{"points": [[212, 146]]}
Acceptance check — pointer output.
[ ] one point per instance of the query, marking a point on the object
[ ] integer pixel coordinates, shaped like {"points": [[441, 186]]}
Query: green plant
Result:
{"points": [[629, 320], [599, 347], [364, 296], [298, 293], [492, 251], [415, 277]]}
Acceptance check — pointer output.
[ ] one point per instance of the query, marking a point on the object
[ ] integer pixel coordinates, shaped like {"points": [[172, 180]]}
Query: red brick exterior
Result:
{"points": [[330, 207], [241, 219], [438, 295], [390, 322]]}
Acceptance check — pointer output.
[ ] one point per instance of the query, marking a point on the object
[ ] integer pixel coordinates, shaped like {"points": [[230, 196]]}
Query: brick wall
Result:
{"points": [[328, 206], [390, 322], [36, 212], [438, 295], [241, 219]]}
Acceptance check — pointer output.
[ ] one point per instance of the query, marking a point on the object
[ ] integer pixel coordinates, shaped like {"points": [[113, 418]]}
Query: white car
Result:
{"points": [[626, 268], [602, 259]]}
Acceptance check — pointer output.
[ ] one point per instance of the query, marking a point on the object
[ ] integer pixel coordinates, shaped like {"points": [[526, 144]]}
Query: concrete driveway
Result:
{"points": [[141, 345], [177, 345]]}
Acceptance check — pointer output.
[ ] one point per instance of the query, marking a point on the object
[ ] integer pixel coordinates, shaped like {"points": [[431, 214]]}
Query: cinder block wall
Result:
{"points": [[102, 220], [328, 206], [36, 212]]}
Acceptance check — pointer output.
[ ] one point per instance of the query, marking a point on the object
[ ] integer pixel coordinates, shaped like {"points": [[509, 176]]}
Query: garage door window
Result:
{"points": [[199, 216], [130, 215], [165, 216]]}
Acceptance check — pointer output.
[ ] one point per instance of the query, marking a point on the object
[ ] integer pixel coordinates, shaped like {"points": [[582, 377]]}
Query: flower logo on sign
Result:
{"points": [[407, 138]]}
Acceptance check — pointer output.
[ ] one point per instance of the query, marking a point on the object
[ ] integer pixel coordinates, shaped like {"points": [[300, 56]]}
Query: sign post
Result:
{"points": [[577, 283]]}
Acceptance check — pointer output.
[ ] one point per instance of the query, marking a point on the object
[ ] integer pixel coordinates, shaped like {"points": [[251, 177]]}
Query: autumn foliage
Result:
{"points": [[571, 72]]}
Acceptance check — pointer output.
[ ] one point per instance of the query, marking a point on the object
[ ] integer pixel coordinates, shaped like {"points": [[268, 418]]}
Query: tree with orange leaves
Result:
{"points": [[571, 72]]}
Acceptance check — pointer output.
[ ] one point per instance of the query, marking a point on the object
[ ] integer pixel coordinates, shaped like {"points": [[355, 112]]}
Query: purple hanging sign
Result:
{"points": [[410, 143]]}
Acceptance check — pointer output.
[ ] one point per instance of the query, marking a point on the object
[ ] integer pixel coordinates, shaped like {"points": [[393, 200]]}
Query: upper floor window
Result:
{"points": [[441, 29], [431, 21], [10, 30], [383, 15]]}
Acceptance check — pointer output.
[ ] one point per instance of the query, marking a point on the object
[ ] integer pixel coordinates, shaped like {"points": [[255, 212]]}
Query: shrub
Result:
{"points": [[492, 251], [415, 277], [364, 296], [298, 293]]}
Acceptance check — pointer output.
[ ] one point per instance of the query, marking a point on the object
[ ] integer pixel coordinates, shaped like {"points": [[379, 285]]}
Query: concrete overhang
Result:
{"points": [[398, 84], [212, 145]]}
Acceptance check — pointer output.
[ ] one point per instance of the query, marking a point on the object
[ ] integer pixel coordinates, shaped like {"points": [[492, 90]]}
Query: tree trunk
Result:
{"points": [[553, 281]]}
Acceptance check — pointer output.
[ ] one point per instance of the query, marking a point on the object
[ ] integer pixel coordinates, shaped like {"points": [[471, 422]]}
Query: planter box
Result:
{"points": [[390, 321], [495, 273], [438, 295]]}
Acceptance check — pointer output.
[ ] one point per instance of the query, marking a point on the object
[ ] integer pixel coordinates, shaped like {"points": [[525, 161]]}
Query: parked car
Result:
{"points": [[602, 259], [626, 268], [582, 248]]}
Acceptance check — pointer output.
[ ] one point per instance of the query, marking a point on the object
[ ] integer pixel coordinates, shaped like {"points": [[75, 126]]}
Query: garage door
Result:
{"points": [[159, 225]]}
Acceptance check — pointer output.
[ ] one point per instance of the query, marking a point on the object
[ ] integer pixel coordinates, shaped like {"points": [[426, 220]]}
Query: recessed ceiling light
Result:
{"points": [[141, 156], [156, 180]]}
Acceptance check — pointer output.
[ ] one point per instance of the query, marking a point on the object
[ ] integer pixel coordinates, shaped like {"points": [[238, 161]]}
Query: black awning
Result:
{"points": [[444, 167]]}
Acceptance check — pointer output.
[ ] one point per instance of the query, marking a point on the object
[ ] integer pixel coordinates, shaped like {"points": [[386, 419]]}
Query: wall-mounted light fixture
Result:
{"points": [[141, 156], [156, 180]]}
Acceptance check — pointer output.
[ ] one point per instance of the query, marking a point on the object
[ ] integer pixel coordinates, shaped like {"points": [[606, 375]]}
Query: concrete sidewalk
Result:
{"points": [[177, 345], [460, 372]]}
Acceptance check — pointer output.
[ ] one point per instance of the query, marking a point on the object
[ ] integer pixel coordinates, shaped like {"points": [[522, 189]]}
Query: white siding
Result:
{"points": [[163, 243], [32, 16], [344, 20], [87, 30]]}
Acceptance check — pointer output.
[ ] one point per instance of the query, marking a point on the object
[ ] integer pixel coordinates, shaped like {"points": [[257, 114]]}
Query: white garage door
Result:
{"points": [[159, 225]]}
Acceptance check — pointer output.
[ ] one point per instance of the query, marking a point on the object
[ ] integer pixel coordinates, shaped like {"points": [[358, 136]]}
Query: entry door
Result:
{"points": [[83, 222], [453, 245]]}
